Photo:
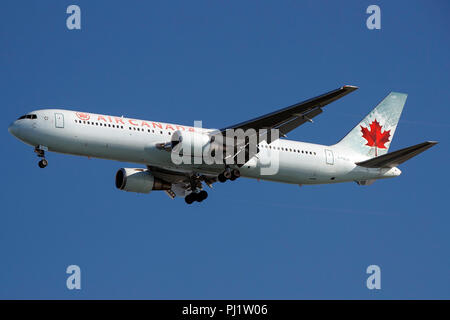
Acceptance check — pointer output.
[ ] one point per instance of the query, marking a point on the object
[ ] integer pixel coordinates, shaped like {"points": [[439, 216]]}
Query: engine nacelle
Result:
{"points": [[139, 180], [190, 143]]}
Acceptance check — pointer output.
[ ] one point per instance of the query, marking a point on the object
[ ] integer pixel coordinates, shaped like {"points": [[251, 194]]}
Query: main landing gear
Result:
{"points": [[229, 174], [196, 196], [40, 151]]}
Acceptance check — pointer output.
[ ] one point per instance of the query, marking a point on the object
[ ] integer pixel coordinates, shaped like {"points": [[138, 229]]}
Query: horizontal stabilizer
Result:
{"points": [[393, 159]]}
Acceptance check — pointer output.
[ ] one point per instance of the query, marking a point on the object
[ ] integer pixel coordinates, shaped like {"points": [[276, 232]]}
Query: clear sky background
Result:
{"points": [[224, 62]]}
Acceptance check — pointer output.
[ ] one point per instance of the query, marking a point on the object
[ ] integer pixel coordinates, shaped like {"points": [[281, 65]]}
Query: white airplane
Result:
{"points": [[361, 156]]}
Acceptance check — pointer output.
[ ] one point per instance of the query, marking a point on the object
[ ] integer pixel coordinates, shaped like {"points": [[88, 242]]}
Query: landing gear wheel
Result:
{"points": [[221, 178], [199, 197], [43, 163], [235, 173], [227, 173], [189, 198], [202, 195]]}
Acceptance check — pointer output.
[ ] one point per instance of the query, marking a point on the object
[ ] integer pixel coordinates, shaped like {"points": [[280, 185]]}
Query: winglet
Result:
{"points": [[348, 89]]}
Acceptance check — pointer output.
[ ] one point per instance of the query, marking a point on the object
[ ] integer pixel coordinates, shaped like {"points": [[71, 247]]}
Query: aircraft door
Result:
{"points": [[329, 158], [59, 120]]}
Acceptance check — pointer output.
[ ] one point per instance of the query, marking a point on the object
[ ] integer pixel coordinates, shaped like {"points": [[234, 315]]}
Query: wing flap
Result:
{"points": [[393, 159]]}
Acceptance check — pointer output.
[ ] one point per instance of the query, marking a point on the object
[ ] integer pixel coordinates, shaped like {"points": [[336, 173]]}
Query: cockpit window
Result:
{"points": [[28, 116]]}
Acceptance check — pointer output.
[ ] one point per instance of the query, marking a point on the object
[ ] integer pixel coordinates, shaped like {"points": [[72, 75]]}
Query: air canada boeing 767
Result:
{"points": [[172, 163]]}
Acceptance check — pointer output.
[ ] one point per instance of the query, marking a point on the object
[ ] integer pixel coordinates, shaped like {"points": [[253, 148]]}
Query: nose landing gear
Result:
{"points": [[40, 151], [43, 163]]}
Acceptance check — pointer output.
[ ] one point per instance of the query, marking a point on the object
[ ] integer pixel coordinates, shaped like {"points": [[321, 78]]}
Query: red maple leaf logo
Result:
{"points": [[374, 136]]}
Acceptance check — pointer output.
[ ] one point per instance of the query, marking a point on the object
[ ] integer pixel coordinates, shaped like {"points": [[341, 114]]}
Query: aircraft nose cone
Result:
{"points": [[13, 129]]}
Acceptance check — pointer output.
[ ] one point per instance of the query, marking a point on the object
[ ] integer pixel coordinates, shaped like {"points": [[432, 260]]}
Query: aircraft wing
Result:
{"points": [[285, 120], [393, 159], [289, 118]]}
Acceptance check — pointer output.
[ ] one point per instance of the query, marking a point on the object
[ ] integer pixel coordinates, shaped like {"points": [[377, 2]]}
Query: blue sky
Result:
{"points": [[223, 62]]}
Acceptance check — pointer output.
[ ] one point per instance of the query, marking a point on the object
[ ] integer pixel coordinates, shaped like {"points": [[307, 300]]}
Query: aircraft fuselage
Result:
{"points": [[132, 140]]}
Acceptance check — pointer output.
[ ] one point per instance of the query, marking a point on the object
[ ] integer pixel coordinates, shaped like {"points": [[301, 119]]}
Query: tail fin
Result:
{"points": [[373, 135]]}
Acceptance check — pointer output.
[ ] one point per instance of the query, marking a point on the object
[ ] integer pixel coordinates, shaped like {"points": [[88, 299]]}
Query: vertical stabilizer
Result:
{"points": [[373, 135]]}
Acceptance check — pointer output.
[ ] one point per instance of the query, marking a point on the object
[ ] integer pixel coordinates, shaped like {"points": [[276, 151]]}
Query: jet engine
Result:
{"points": [[139, 180]]}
